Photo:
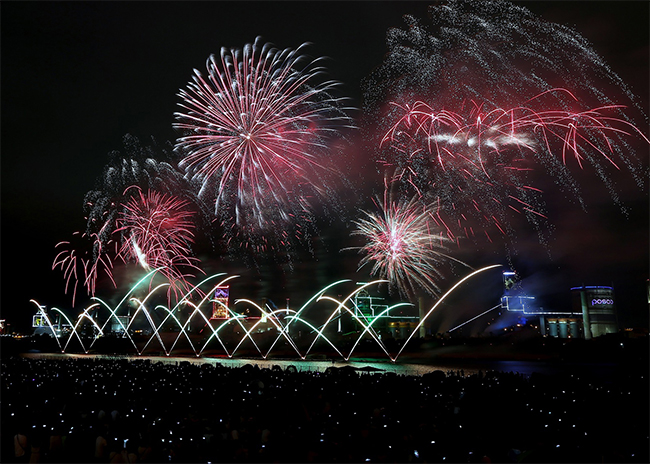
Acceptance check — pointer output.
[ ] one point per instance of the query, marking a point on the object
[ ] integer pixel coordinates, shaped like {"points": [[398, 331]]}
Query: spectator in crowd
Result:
{"points": [[55, 410]]}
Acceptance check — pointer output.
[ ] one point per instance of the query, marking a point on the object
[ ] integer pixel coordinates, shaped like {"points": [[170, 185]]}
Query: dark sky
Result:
{"points": [[77, 77]]}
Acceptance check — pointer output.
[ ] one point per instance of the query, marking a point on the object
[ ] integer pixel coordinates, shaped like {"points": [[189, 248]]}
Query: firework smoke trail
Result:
{"points": [[474, 108], [255, 137], [401, 245], [157, 232]]}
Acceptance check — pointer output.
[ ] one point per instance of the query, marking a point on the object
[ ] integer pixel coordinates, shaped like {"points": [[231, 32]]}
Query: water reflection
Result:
{"points": [[526, 368]]}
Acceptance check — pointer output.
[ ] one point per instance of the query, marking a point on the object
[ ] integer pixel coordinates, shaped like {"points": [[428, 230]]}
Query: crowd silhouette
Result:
{"points": [[120, 410]]}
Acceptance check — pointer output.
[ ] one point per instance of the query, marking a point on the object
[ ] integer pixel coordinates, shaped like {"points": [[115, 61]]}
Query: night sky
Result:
{"points": [[77, 77]]}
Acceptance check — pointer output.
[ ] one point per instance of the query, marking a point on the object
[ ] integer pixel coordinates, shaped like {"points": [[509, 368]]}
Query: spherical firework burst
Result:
{"points": [[401, 245], [255, 136], [471, 106], [157, 232]]}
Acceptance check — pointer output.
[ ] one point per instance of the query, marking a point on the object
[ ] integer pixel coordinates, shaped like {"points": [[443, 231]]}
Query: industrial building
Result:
{"points": [[592, 313]]}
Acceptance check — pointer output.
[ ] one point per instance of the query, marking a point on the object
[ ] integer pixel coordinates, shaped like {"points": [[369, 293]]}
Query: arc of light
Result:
{"points": [[314, 297], [341, 304], [73, 329], [185, 300], [475, 317], [315, 329], [197, 310], [113, 314], [284, 332], [248, 332], [85, 311], [137, 284], [356, 307], [234, 316], [238, 318], [215, 333], [148, 316], [371, 323], [79, 319], [367, 328], [182, 327], [47, 318], [277, 326], [146, 276], [440, 301], [203, 300], [201, 283]]}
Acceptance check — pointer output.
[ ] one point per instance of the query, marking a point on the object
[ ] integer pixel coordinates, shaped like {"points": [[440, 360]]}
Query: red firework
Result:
{"points": [[157, 231], [402, 244], [255, 135], [480, 157], [83, 261]]}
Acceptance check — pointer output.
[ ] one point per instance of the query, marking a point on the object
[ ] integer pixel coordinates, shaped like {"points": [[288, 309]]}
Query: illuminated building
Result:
{"points": [[372, 310], [592, 313], [597, 305], [220, 303]]}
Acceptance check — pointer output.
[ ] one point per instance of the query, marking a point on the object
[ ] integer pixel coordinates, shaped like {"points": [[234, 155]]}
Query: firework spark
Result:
{"points": [[401, 245], [83, 260], [474, 109], [256, 132], [157, 232]]}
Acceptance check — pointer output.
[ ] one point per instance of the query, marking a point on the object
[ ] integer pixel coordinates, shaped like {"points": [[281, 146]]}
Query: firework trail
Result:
{"points": [[256, 134], [402, 245], [475, 108], [157, 232]]}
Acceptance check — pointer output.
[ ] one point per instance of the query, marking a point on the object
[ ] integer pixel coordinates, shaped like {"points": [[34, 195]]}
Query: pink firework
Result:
{"points": [[157, 231], [401, 245], [83, 261], [477, 160], [256, 132], [485, 76], [483, 133]]}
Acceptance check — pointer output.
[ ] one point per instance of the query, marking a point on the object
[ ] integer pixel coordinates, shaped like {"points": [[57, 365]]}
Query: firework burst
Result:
{"points": [[91, 254], [84, 259], [157, 233], [255, 137], [402, 245], [147, 167], [475, 109]]}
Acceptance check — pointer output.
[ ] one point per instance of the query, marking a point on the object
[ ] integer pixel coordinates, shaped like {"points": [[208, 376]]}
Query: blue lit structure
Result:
{"points": [[592, 313], [514, 297]]}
